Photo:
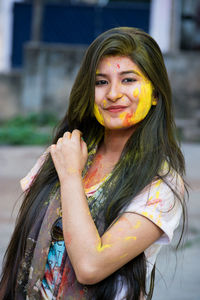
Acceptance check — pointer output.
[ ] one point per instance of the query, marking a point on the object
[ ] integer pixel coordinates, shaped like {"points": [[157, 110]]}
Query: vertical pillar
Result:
{"points": [[6, 19], [165, 18], [37, 21]]}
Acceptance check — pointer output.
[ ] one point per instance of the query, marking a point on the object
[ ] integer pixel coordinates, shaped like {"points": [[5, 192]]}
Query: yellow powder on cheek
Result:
{"points": [[136, 93], [144, 104], [122, 115], [98, 115], [104, 103]]}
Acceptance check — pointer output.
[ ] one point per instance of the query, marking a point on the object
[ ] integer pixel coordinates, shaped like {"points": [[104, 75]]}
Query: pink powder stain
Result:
{"points": [[68, 238], [155, 201], [118, 66]]}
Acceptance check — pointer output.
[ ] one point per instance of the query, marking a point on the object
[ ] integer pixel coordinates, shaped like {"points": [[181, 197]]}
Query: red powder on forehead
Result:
{"points": [[118, 66]]}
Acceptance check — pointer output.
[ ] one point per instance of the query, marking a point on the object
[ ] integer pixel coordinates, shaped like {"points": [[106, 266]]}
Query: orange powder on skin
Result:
{"points": [[89, 176], [136, 93], [128, 120]]}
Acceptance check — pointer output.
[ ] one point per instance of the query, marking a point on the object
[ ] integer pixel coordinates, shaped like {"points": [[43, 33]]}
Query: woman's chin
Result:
{"points": [[118, 126]]}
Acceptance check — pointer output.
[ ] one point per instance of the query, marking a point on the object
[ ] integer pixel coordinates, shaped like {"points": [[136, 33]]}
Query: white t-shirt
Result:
{"points": [[158, 203]]}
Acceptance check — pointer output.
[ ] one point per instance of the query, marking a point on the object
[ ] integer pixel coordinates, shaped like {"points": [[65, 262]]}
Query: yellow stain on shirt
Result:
{"points": [[149, 199], [159, 223], [157, 194], [158, 183], [130, 238], [146, 214]]}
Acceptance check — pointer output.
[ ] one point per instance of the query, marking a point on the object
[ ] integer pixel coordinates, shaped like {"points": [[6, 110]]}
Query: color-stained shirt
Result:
{"points": [[156, 202]]}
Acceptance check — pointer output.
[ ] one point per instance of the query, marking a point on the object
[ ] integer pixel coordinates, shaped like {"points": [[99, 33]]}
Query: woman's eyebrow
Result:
{"points": [[121, 73], [129, 72], [101, 74]]}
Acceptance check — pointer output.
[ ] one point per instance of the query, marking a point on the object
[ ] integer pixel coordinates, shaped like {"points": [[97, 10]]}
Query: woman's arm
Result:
{"points": [[94, 257]]}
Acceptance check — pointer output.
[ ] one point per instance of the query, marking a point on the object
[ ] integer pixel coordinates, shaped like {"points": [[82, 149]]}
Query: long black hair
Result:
{"points": [[152, 143]]}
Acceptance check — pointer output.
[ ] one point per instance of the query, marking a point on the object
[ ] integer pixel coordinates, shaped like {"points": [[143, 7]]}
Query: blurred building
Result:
{"points": [[42, 43]]}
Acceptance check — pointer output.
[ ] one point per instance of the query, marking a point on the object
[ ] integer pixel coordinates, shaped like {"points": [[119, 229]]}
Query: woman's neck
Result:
{"points": [[115, 140]]}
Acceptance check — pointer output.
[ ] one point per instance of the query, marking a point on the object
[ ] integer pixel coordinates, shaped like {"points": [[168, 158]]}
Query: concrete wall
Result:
{"points": [[10, 94], [48, 76], [184, 73], [49, 72]]}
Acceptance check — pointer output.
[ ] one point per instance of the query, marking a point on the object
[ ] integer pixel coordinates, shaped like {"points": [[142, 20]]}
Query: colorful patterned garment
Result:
{"points": [[57, 280], [56, 261]]}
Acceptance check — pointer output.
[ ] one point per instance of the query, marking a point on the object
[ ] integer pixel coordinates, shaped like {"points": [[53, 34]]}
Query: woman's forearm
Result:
{"points": [[81, 236]]}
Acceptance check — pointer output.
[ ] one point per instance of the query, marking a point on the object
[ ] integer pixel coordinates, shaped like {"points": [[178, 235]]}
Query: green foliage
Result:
{"points": [[34, 129]]}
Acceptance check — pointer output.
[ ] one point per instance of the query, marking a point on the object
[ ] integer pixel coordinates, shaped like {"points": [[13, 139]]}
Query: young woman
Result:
{"points": [[108, 193]]}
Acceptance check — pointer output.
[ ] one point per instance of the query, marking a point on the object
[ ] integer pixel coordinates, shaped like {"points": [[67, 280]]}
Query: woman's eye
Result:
{"points": [[100, 82], [126, 80]]}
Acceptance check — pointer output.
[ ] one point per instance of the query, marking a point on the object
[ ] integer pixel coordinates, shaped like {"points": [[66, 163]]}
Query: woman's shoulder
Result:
{"points": [[171, 179], [161, 202]]}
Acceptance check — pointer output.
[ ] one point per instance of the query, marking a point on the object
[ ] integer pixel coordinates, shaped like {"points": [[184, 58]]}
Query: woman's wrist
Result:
{"points": [[70, 177]]}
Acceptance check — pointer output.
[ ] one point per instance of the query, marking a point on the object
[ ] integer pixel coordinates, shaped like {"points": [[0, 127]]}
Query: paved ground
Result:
{"points": [[179, 274]]}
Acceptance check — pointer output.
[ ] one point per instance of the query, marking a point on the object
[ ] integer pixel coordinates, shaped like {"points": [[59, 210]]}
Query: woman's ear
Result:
{"points": [[154, 98]]}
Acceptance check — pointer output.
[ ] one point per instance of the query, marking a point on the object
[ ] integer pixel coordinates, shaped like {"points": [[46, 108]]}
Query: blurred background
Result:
{"points": [[42, 43]]}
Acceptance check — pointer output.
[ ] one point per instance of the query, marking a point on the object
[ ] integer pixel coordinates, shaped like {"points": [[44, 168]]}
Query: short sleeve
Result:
{"points": [[158, 203], [28, 179]]}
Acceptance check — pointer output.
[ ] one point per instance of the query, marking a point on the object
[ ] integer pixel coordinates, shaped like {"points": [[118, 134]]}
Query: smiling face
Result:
{"points": [[123, 95]]}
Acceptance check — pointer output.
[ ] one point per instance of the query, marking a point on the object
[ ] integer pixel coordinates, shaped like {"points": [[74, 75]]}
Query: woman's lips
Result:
{"points": [[117, 108]]}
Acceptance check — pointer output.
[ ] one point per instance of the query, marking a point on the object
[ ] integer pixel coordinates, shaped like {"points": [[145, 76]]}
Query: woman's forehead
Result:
{"points": [[118, 63]]}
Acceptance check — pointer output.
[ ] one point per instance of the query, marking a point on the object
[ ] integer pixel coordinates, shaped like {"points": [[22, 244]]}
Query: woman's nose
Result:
{"points": [[114, 92]]}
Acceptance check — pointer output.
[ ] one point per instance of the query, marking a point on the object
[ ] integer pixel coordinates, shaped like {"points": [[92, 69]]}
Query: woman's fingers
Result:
{"points": [[76, 135], [84, 149], [67, 135]]}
